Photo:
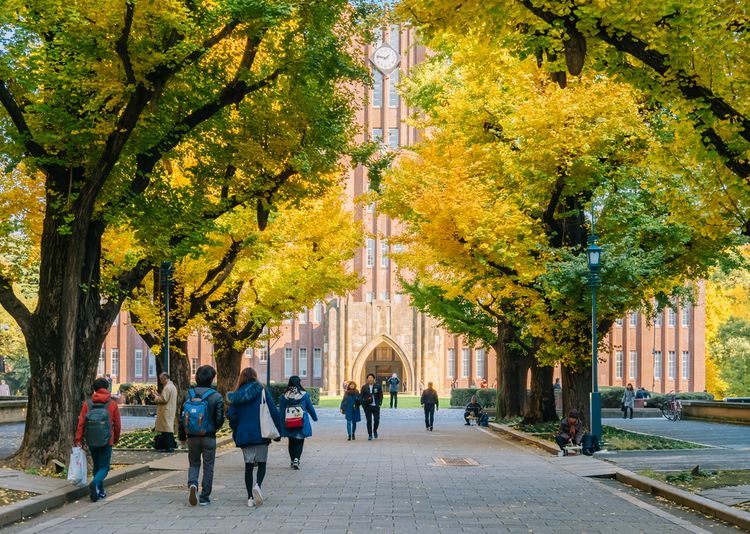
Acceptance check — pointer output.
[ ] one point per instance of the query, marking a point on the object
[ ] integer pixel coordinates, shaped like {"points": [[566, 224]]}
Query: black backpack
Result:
{"points": [[590, 444], [98, 429]]}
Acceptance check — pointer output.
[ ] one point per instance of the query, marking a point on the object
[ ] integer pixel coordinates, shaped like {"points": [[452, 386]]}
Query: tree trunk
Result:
{"points": [[576, 387], [541, 406], [511, 387], [228, 362]]}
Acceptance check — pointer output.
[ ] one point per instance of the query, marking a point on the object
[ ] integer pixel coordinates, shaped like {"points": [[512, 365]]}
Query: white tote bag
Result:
{"points": [[77, 467], [267, 427]]}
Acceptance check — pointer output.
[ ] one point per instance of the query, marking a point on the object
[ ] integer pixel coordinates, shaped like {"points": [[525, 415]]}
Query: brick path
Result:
{"points": [[387, 485]]}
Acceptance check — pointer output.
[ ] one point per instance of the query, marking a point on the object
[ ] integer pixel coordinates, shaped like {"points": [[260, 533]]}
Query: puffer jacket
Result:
{"points": [[244, 414]]}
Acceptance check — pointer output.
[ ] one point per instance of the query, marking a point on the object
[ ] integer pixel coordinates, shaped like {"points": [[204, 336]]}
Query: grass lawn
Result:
{"points": [[701, 480], [404, 401]]}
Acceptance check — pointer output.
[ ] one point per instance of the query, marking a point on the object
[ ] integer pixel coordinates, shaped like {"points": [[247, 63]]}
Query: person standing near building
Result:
{"points": [[296, 408], [430, 402], [350, 408], [199, 430], [244, 418], [108, 377], [166, 410], [99, 423], [393, 383], [628, 401], [372, 397]]}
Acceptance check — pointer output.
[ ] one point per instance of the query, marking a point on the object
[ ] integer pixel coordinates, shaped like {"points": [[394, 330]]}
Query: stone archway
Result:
{"points": [[358, 368]]}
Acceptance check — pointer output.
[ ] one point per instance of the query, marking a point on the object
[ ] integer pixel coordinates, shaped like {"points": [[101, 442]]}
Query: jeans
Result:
{"points": [[429, 415], [561, 442], [205, 447], [101, 458], [372, 414], [351, 427], [394, 399], [295, 448], [625, 413]]}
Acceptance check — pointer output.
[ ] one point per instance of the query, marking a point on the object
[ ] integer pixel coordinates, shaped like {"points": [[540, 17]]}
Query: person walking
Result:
{"points": [[628, 401], [166, 410], [201, 417], [296, 408], [430, 402], [244, 418], [350, 408], [393, 383], [372, 397], [99, 423]]}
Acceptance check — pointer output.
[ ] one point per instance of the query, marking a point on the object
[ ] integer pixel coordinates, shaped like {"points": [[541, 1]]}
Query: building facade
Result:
{"points": [[374, 329]]}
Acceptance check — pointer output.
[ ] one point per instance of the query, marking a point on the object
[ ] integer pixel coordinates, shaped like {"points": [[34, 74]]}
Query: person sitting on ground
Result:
{"points": [[571, 431], [473, 409]]}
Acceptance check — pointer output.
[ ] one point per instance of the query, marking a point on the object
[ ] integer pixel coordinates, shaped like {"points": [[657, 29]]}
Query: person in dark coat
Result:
{"points": [[244, 418], [372, 397], [350, 408], [295, 398], [393, 386], [473, 409], [571, 431], [430, 402]]}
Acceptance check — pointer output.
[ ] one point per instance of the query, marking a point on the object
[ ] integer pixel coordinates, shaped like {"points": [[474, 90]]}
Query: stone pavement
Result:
{"points": [[723, 435], [394, 484]]}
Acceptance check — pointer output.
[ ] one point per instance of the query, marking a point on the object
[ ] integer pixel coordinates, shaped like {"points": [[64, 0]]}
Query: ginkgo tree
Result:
{"points": [[96, 97]]}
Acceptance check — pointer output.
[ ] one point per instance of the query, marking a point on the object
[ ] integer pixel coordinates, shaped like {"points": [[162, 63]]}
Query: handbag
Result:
{"points": [[622, 406], [293, 416], [78, 467], [268, 428]]}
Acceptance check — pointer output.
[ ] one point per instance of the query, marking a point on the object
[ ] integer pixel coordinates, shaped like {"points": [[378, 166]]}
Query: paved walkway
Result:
{"points": [[393, 484], [723, 435]]}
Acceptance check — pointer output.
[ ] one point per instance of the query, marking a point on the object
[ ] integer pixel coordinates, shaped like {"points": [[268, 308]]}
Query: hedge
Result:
{"points": [[462, 396], [278, 389], [657, 400], [138, 393], [612, 397]]}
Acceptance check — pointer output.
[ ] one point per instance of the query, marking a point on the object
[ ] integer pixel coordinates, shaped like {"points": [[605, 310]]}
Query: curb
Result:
{"points": [[657, 488], [54, 499]]}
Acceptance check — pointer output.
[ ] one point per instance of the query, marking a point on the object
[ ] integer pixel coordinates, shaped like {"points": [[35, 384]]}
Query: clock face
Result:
{"points": [[385, 59]]}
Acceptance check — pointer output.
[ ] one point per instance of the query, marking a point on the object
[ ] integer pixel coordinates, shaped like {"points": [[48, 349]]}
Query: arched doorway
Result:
{"points": [[382, 357]]}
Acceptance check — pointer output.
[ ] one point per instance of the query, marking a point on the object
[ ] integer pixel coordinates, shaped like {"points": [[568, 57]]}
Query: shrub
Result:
{"points": [[136, 393], [611, 396], [657, 400], [461, 396], [278, 389]]}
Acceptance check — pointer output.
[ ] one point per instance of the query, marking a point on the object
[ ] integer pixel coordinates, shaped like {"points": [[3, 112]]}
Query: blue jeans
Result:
{"points": [[351, 427], [101, 458]]}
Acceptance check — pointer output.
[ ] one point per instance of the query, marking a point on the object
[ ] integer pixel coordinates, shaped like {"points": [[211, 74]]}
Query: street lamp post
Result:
{"points": [[166, 279], [594, 254]]}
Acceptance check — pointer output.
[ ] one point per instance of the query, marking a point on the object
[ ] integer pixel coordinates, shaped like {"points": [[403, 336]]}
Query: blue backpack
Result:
{"points": [[197, 420]]}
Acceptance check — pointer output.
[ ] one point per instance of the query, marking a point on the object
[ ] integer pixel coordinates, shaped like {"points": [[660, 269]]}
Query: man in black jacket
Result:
{"points": [[203, 445], [430, 402], [372, 397]]}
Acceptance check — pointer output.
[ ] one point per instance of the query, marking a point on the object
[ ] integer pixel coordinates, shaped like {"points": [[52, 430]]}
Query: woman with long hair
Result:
{"points": [[244, 418], [296, 408], [350, 408]]}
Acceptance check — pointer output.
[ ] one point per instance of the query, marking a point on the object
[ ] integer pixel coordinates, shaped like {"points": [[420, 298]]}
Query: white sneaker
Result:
{"points": [[251, 503], [257, 495], [193, 495]]}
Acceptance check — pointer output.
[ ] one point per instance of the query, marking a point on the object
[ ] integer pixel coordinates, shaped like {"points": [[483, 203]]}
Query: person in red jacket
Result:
{"points": [[101, 456]]}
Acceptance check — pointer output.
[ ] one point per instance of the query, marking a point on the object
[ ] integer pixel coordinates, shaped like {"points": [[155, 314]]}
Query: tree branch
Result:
{"points": [[121, 45], [13, 305]]}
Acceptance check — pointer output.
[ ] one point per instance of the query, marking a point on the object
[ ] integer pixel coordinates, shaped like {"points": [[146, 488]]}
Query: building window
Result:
{"points": [[317, 362], [671, 365], [377, 135], [686, 316], [263, 354], [618, 364], [671, 316], [288, 362], [384, 260], [249, 353], [370, 208], [465, 360], [659, 320], [114, 361], [138, 363], [100, 368], [398, 298], [451, 371], [302, 316], [393, 97], [377, 88], [685, 365], [151, 365], [370, 252], [193, 365], [657, 364], [383, 295], [393, 138], [480, 356], [369, 296], [318, 312], [303, 362], [395, 38], [633, 319], [618, 322], [633, 364]]}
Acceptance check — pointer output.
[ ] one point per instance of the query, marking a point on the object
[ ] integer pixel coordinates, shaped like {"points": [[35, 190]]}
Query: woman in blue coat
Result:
{"points": [[244, 418], [295, 403], [350, 408]]}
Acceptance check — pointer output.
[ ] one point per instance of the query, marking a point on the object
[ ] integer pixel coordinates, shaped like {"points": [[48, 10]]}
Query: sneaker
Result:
{"points": [[295, 463], [193, 495], [93, 492], [102, 494], [430, 429], [375, 434], [257, 495], [468, 424], [349, 438], [369, 438], [204, 501], [250, 503], [354, 437]]}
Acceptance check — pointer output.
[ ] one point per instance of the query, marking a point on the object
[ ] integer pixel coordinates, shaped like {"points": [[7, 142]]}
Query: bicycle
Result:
{"points": [[671, 408]]}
